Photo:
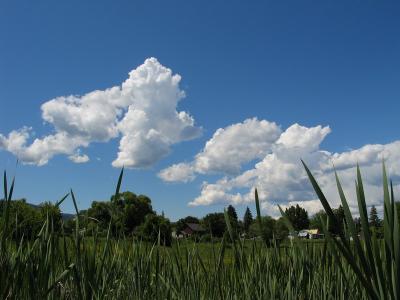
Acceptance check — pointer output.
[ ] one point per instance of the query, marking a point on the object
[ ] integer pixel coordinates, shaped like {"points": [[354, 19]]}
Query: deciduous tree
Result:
{"points": [[298, 216]]}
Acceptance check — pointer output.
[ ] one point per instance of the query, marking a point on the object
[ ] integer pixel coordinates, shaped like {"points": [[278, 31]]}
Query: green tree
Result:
{"points": [[321, 217], [267, 229], [126, 211], [136, 208], [233, 218], [215, 222], [98, 217], [48, 211], [247, 220], [156, 228], [232, 213], [100, 213], [280, 231], [24, 219], [317, 220], [298, 216], [374, 220], [340, 217]]}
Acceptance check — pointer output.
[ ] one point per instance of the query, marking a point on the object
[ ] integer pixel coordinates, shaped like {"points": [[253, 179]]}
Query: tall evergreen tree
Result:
{"points": [[247, 219], [233, 219], [374, 220], [232, 213]]}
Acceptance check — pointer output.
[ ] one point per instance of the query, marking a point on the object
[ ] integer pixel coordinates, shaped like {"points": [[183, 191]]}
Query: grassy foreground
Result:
{"points": [[57, 266]]}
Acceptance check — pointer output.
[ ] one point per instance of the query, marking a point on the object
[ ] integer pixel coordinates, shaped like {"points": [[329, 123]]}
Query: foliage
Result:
{"points": [[318, 220], [53, 213], [267, 230], [374, 220], [124, 212], [298, 217], [100, 212], [336, 228], [135, 209], [280, 229], [233, 219], [215, 223], [247, 220], [232, 213], [376, 266], [54, 266], [156, 229]]}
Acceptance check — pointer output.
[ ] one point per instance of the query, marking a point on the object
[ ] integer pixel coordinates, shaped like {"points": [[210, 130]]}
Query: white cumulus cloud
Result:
{"points": [[281, 179], [142, 111], [79, 159], [227, 150], [179, 172]]}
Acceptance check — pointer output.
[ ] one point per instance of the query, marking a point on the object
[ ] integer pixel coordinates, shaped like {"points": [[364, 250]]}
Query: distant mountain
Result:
{"points": [[66, 216]]}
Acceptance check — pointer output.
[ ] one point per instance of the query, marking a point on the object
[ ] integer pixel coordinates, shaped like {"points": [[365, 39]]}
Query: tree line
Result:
{"points": [[129, 215]]}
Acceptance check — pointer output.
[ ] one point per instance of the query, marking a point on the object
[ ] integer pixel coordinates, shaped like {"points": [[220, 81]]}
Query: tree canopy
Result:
{"points": [[266, 232], [298, 216], [215, 222], [156, 229], [126, 211]]}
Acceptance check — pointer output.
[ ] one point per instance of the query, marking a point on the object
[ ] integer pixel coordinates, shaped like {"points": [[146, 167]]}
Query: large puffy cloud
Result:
{"points": [[143, 111], [281, 179], [227, 150]]}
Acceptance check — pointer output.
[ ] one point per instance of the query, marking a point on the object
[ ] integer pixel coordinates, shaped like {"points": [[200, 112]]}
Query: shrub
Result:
{"points": [[156, 229]]}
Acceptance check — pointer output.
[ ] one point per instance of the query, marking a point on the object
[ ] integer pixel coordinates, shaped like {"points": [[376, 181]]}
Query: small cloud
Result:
{"points": [[182, 172], [79, 159]]}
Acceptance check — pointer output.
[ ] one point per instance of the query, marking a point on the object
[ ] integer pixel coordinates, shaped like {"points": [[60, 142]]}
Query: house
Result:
{"points": [[191, 229], [308, 234], [315, 234], [303, 234]]}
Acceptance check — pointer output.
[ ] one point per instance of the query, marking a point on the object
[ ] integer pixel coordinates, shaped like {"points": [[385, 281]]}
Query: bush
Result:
{"points": [[267, 229], [156, 228], [215, 222], [25, 220]]}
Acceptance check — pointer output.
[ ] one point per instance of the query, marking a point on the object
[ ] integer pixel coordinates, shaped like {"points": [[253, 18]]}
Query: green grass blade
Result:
{"points": [[62, 200], [117, 190], [351, 226], [258, 209]]}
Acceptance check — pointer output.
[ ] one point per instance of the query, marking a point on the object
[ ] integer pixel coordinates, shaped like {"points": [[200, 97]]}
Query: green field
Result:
{"points": [[76, 266]]}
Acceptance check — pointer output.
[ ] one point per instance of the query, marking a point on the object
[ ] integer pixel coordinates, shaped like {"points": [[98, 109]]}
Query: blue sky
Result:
{"points": [[327, 63]]}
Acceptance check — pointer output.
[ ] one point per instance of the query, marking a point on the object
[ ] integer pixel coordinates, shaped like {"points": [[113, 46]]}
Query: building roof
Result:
{"points": [[195, 227]]}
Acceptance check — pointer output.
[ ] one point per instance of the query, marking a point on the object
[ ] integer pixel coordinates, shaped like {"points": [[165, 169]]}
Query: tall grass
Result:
{"points": [[59, 266], [377, 268]]}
